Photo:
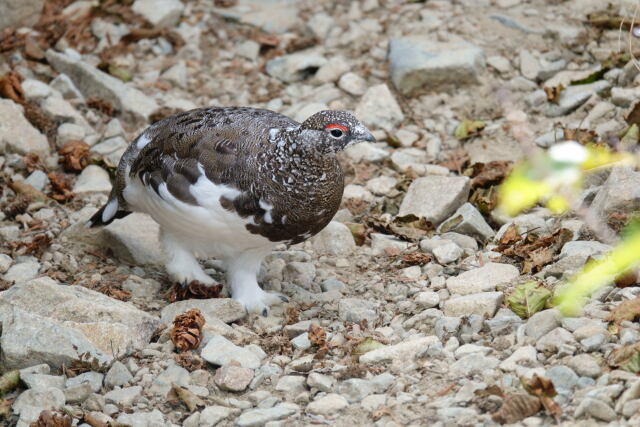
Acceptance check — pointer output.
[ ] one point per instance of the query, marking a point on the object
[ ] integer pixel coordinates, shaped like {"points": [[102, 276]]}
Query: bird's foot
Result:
{"points": [[259, 301]]}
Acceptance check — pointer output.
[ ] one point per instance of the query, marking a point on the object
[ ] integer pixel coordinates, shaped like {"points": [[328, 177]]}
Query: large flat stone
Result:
{"points": [[222, 309], [17, 135], [435, 197], [134, 239]]}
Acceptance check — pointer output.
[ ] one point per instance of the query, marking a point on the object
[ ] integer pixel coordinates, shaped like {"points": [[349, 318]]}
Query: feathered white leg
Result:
{"points": [[181, 264], [242, 273]]}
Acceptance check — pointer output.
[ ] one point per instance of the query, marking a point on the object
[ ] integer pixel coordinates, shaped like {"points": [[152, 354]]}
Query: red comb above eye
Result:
{"points": [[334, 126]]}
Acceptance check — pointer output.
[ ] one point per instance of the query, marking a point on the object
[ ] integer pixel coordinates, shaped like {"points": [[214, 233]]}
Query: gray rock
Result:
{"points": [[301, 342], [96, 84], [620, 193], [142, 419], [554, 340], [19, 13], [78, 393], [505, 322], [94, 379], [332, 70], [447, 253], [355, 389], [427, 299], [417, 62], [584, 249], [177, 75], [160, 13], [366, 151], [447, 327], [525, 357], [327, 405], [133, 239], [248, 49], [379, 109], [220, 351], [37, 179], [585, 365], [5, 263], [259, 417], [222, 309], [414, 159], [233, 378], [355, 310], [118, 375], [63, 84], [296, 66], [483, 279], [468, 220], [22, 272], [69, 132], [44, 322], [300, 273], [541, 323], [124, 397], [595, 408], [353, 84], [93, 179], [35, 90], [17, 134], [321, 382], [482, 304], [273, 16], [573, 97], [291, 385], [529, 65], [382, 243], [212, 415], [435, 197], [41, 381], [335, 239], [30, 403], [332, 285], [174, 374], [404, 351], [473, 364]]}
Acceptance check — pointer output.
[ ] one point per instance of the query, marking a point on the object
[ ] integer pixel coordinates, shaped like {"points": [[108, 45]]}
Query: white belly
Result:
{"points": [[207, 229]]}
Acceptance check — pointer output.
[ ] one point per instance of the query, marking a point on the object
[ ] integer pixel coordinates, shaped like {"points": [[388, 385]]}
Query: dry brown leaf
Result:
{"points": [[456, 160], [60, 188], [318, 338], [194, 290], [510, 236], [105, 107], [620, 356], [74, 156], [187, 330], [627, 310], [188, 397], [583, 136], [190, 361], [115, 292], [49, 418], [534, 251], [17, 206], [485, 175], [625, 280], [543, 388], [516, 407], [553, 93], [32, 162], [292, 314], [416, 258], [36, 246], [11, 88]]}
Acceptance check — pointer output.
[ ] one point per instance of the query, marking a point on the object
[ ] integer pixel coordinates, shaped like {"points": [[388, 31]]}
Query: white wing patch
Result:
{"points": [[142, 142], [110, 210]]}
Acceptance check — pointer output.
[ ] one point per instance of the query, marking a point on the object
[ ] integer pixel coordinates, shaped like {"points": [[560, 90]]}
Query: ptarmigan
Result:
{"points": [[232, 183]]}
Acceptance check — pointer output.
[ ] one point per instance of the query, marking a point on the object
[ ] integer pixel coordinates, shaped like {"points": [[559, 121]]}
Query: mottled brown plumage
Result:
{"points": [[279, 178]]}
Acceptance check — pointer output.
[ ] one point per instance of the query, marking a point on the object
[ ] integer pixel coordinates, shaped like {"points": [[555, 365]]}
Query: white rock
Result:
{"points": [[124, 396], [273, 16], [381, 185], [366, 151], [418, 62], [328, 405], [435, 197], [160, 13], [525, 356], [96, 84], [468, 220], [212, 415], [5, 263], [134, 238], [17, 135], [18, 13], [69, 132], [248, 49], [379, 109], [35, 90], [222, 309], [483, 279], [32, 402], [447, 253], [335, 239], [484, 303], [93, 179], [22, 272], [220, 351], [404, 351], [427, 299], [381, 244], [332, 70], [177, 74], [353, 84], [296, 66], [260, 417], [63, 84]]}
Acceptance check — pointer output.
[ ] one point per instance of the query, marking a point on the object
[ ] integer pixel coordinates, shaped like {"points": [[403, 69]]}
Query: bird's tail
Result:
{"points": [[107, 213]]}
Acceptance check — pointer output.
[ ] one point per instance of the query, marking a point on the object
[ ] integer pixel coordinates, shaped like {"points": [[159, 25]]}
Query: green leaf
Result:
{"points": [[633, 365], [367, 345], [528, 299], [120, 73], [469, 128]]}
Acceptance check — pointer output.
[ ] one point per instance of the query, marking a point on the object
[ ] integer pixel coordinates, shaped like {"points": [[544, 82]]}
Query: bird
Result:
{"points": [[232, 183]]}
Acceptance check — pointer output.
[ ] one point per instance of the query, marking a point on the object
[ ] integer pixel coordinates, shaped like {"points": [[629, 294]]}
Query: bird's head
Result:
{"points": [[332, 131]]}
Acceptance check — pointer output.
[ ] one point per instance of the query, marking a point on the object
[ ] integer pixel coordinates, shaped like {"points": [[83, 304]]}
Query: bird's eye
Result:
{"points": [[336, 133]]}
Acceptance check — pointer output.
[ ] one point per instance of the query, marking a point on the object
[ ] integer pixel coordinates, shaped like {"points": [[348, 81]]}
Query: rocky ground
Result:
{"points": [[404, 310]]}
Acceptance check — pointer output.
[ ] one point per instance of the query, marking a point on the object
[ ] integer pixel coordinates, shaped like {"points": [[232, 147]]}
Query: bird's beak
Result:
{"points": [[363, 134]]}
